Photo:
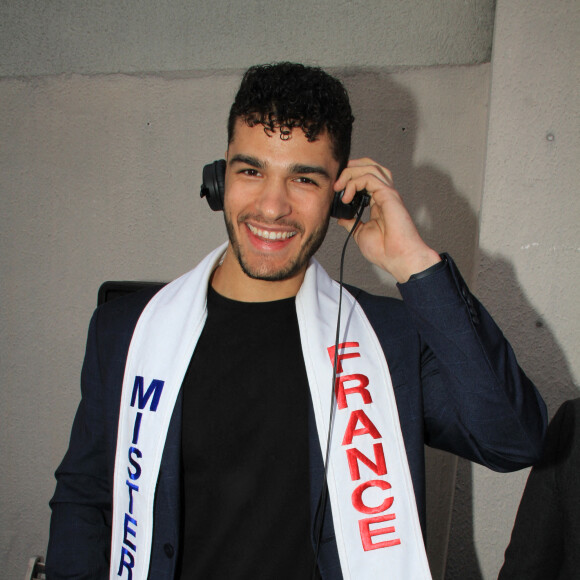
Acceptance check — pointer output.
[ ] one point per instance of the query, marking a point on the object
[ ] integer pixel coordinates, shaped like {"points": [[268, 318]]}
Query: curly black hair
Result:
{"points": [[283, 96]]}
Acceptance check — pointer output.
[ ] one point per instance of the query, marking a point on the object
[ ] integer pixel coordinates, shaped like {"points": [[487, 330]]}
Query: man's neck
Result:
{"points": [[231, 281]]}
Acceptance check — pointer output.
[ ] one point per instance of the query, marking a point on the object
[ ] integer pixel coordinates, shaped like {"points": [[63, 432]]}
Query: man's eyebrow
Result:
{"points": [[248, 160], [309, 169], [296, 168]]}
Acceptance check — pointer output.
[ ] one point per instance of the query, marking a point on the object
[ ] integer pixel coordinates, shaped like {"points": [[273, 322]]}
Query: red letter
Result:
{"points": [[366, 533], [358, 503], [354, 456], [351, 431], [340, 355], [341, 392]]}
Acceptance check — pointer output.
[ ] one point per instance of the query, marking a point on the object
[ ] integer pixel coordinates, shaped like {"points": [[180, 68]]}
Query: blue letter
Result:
{"points": [[124, 564], [132, 488], [128, 530], [154, 389], [137, 467], [136, 428]]}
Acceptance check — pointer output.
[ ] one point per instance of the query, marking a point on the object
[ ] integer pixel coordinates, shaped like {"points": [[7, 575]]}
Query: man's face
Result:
{"points": [[277, 200]]}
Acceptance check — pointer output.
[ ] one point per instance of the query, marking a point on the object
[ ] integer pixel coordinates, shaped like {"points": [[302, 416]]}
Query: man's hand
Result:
{"points": [[389, 238]]}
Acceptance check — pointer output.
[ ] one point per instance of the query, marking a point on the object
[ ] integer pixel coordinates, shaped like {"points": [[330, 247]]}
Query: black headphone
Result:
{"points": [[213, 188]]}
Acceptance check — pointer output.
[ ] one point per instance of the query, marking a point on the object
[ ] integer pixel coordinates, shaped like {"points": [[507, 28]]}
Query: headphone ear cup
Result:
{"points": [[336, 210], [213, 186], [348, 211]]}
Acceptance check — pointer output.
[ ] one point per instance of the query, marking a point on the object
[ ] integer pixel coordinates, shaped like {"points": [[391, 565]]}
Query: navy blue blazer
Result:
{"points": [[457, 385]]}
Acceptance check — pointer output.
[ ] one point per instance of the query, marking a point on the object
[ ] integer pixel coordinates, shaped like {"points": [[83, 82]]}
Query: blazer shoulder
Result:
{"points": [[124, 311], [390, 320], [381, 308]]}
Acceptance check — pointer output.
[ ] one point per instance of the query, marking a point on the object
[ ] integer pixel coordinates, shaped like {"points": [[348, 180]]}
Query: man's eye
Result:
{"points": [[250, 172], [306, 180]]}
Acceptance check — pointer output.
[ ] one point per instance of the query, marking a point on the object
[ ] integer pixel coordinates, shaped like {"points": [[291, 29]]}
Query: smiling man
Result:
{"points": [[205, 446]]}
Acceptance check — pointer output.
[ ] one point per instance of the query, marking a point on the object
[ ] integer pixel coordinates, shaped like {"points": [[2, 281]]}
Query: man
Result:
{"points": [[199, 447], [545, 541]]}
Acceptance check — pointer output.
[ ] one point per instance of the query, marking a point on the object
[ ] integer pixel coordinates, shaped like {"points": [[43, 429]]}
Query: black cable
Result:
{"points": [[323, 498]]}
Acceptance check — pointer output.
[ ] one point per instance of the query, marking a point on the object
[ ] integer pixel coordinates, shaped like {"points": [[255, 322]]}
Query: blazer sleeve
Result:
{"points": [[478, 402], [80, 526]]}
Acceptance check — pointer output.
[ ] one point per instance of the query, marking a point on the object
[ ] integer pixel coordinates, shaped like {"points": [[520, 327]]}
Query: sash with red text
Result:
{"points": [[373, 504]]}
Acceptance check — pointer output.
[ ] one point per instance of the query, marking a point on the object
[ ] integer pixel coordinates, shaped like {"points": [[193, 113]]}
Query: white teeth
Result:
{"points": [[271, 235]]}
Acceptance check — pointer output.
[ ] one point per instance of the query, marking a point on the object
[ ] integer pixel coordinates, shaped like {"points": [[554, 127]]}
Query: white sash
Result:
{"points": [[373, 505]]}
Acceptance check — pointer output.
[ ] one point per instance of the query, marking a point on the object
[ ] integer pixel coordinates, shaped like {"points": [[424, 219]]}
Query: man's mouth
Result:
{"points": [[270, 235]]}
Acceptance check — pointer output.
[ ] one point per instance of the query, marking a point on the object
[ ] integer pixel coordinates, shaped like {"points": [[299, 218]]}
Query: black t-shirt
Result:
{"points": [[245, 446]]}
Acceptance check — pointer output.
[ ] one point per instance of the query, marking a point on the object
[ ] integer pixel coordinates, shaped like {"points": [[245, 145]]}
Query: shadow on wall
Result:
{"points": [[385, 130], [538, 350]]}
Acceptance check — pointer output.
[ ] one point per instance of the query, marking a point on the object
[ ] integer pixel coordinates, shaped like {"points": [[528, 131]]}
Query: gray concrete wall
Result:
{"points": [[529, 251], [99, 178], [107, 36]]}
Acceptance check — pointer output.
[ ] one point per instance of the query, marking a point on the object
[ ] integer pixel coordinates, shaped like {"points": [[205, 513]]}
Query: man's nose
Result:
{"points": [[273, 201]]}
